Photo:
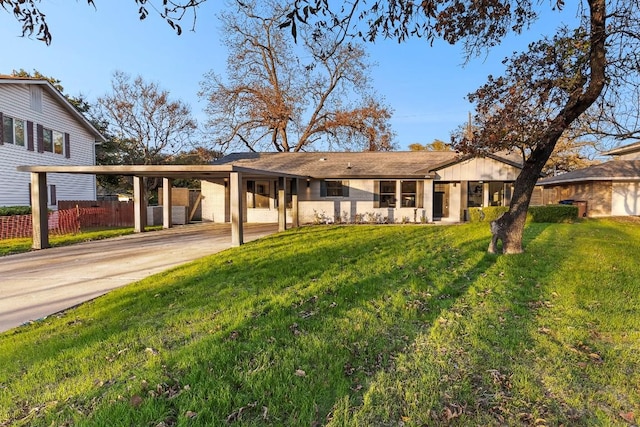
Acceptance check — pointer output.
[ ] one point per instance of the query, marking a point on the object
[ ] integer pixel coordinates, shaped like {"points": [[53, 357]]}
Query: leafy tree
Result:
{"points": [[289, 98], [436, 145], [147, 127], [34, 20]]}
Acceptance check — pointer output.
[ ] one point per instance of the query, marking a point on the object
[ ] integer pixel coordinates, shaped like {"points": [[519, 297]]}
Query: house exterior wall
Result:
{"points": [[215, 200], [15, 102], [598, 195], [360, 205], [478, 169], [625, 198]]}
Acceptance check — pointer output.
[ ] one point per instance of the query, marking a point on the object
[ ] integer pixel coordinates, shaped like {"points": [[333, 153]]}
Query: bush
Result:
{"points": [[486, 214], [553, 213], [15, 210]]}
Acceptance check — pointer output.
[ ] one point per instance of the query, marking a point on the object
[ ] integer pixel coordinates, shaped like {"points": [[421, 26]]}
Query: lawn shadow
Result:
{"points": [[289, 314]]}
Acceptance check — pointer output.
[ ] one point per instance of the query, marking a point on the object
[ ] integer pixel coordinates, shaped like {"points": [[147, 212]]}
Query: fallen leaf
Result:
{"points": [[136, 401], [628, 416]]}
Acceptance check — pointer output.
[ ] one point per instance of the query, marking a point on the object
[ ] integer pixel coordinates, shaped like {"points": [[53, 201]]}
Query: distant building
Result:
{"points": [[415, 186], [609, 189], [38, 126]]}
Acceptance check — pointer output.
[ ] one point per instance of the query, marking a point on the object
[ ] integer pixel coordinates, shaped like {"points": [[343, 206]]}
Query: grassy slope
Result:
{"points": [[351, 326]]}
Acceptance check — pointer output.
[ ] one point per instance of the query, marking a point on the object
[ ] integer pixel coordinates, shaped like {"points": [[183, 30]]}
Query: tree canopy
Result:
{"points": [[286, 97]]}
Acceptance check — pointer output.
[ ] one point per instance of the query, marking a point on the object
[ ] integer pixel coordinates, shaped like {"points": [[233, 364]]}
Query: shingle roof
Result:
{"points": [[614, 170], [393, 164], [342, 164]]}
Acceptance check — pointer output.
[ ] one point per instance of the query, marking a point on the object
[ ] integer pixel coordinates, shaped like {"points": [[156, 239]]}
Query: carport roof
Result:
{"points": [[166, 171]]}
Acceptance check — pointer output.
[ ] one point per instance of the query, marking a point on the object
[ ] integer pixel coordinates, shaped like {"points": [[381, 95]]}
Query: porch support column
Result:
{"points": [[485, 194], [428, 199], [39, 213], [295, 220], [464, 199], [235, 196], [139, 205], [167, 184], [282, 203]]}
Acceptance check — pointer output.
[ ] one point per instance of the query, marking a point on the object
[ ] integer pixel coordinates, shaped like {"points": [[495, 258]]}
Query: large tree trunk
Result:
{"points": [[510, 226]]}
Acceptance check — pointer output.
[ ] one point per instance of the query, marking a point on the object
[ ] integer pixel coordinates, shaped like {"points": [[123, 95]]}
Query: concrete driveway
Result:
{"points": [[37, 284]]}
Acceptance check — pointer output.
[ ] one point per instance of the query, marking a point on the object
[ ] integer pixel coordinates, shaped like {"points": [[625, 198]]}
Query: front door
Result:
{"points": [[440, 200], [438, 204]]}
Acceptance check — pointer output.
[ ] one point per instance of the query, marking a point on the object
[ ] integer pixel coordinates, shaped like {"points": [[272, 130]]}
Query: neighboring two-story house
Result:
{"points": [[38, 126]]}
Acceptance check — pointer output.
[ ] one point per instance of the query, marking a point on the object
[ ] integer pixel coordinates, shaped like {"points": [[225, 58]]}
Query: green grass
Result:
{"points": [[20, 245], [351, 326]]}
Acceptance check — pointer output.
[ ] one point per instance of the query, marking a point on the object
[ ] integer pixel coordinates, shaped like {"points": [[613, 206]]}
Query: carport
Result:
{"points": [[230, 173]]}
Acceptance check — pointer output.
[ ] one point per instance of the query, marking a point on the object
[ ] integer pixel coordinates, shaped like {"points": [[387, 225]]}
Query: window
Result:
{"points": [[53, 198], [334, 188], [408, 190], [58, 142], [13, 131], [475, 194], [47, 139], [388, 194], [258, 194]]}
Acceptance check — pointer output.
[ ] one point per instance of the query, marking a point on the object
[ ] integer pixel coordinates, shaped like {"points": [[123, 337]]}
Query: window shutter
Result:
{"points": [[67, 146], [345, 188], [376, 194], [30, 136], [1, 129], [419, 194], [40, 138], [323, 188]]}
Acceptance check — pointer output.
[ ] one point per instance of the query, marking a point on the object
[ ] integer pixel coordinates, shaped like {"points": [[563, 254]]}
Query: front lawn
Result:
{"points": [[351, 325]]}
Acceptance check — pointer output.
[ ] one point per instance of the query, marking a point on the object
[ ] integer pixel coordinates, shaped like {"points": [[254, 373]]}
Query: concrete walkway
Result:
{"points": [[37, 284]]}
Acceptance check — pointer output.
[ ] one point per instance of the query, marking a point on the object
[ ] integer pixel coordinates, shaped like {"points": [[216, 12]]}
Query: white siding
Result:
{"points": [[479, 169], [15, 101], [625, 199]]}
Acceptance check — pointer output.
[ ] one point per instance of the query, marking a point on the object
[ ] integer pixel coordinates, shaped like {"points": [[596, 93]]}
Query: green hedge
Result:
{"points": [[553, 213], [486, 214], [548, 213], [15, 210]]}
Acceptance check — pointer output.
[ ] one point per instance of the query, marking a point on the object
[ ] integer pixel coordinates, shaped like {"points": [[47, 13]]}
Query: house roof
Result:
{"points": [[394, 164], [614, 170], [55, 93], [625, 149], [368, 164]]}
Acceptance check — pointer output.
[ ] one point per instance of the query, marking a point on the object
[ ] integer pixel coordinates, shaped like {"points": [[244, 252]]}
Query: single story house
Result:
{"points": [[392, 187], [609, 189]]}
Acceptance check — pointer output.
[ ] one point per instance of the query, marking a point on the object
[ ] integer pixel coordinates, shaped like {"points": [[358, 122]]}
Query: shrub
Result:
{"points": [[15, 210], [553, 213], [486, 214]]}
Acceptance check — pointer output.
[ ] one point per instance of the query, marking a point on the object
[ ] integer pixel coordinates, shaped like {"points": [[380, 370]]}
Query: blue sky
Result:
{"points": [[424, 85]]}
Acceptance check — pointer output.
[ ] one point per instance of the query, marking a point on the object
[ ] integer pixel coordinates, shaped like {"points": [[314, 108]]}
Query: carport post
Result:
{"points": [[39, 214], [282, 203], [235, 193], [166, 203], [295, 221], [139, 205]]}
